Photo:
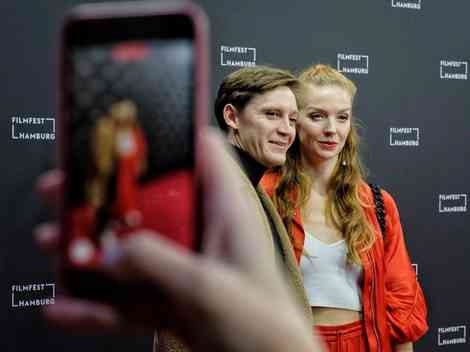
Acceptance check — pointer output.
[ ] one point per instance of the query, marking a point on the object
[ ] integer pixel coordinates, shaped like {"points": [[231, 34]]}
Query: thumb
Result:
{"points": [[147, 257]]}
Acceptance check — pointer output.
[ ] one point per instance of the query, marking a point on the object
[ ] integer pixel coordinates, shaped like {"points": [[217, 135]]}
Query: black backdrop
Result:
{"points": [[410, 60]]}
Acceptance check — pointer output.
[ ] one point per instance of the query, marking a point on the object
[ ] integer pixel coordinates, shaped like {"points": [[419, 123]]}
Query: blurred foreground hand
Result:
{"points": [[230, 297]]}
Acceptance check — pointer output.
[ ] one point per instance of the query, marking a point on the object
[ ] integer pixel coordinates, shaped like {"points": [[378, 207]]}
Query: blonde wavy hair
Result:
{"points": [[344, 206]]}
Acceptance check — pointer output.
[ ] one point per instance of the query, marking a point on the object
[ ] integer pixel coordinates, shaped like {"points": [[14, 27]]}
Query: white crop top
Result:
{"points": [[329, 280]]}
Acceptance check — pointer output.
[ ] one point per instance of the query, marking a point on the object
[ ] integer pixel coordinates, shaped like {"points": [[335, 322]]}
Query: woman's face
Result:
{"points": [[324, 123]]}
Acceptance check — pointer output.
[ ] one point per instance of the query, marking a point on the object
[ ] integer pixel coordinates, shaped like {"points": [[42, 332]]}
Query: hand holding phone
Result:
{"points": [[233, 274]]}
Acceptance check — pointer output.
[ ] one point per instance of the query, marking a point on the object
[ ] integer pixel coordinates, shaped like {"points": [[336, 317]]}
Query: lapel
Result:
{"points": [[251, 195], [287, 253]]}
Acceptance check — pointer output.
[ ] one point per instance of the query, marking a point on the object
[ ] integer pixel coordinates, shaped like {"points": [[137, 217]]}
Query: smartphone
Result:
{"points": [[133, 98]]}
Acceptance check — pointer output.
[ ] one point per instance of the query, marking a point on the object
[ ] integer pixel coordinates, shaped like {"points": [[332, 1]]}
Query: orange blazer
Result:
{"points": [[394, 307]]}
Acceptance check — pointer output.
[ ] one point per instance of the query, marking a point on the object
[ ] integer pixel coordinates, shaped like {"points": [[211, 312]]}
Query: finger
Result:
{"points": [[83, 316], [233, 219], [46, 237], [177, 273], [49, 186], [212, 176], [147, 257], [180, 276], [221, 187]]}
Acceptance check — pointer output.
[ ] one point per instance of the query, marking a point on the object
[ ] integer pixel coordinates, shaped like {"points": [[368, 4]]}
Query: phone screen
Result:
{"points": [[128, 136]]}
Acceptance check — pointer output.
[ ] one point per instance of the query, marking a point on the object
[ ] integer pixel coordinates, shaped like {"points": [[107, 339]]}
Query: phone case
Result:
{"points": [[132, 110]]}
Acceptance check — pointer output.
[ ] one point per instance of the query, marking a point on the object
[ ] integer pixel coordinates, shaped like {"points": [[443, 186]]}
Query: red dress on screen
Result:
{"points": [[131, 150]]}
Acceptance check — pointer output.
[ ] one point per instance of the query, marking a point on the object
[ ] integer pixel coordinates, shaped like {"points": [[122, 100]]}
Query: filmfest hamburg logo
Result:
{"points": [[404, 136], [452, 203], [353, 63], [452, 335], [32, 128], [32, 295], [408, 4], [237, 56], [450, 69]]}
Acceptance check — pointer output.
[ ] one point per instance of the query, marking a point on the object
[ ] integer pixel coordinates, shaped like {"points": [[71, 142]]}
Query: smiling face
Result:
{"points": [[324, 123], [265, 127]]}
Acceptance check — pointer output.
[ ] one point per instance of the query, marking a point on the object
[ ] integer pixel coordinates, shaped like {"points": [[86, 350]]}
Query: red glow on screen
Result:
{"points": [[130, 51]]}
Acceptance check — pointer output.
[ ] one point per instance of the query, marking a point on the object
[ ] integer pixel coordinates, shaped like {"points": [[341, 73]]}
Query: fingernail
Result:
{"points": [[111, 255], [44, 232]]}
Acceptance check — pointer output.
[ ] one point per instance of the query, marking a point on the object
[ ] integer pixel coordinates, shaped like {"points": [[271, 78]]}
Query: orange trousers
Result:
{"points": [[343, 338]]}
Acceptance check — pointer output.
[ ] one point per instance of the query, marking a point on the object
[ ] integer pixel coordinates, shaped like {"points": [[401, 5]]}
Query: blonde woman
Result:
{"points": [[360, 283]]}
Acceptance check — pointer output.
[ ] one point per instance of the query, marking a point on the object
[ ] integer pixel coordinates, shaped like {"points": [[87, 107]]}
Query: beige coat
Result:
{"points": [[167, 342]]}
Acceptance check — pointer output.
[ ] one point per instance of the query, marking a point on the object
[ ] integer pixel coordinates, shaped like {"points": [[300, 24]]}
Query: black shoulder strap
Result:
{"points": [[379, 206]]}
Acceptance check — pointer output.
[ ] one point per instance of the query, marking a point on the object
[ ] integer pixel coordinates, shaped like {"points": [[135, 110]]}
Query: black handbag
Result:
{"points": [[380, 212]]}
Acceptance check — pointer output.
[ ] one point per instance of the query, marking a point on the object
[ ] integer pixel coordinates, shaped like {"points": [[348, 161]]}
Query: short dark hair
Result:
{"points": [[240, 86]]}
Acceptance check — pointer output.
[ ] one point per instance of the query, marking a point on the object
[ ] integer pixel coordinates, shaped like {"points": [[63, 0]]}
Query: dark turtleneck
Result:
{"points": [[253, 169]]}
